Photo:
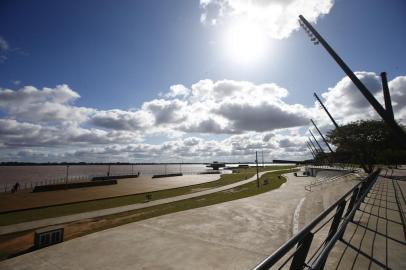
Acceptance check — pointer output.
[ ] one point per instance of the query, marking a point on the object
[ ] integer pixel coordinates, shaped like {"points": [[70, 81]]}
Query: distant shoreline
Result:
{"points": [[115, 163]]}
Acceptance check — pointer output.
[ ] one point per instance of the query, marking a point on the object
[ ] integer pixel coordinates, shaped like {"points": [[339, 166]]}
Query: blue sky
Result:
{"points": [[119, 55]]}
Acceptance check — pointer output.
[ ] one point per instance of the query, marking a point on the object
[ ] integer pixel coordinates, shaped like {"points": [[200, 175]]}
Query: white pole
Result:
{"points": [[67, 173]]}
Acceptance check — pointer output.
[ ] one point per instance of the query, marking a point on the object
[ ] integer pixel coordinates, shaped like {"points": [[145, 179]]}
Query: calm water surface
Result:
{"points": [[26, 174], [22, 174]]}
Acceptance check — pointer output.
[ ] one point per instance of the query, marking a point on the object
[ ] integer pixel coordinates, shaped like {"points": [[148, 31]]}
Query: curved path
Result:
{"points": [[104, 212]]}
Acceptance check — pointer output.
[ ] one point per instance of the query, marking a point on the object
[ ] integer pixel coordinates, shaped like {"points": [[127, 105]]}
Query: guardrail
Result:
{"points": [[72, 179], [324, 180], [345, 208], [56, 181]]}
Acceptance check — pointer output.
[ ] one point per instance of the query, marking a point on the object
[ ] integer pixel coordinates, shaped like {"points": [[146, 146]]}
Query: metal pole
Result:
{"points": [[132, 169], [67, 174], [337, 127], [314, 147], [396, 129], [386, 95], [328, 113], [263, 164], [256, 161], [321, 149], [311, 151], [321, 135]]}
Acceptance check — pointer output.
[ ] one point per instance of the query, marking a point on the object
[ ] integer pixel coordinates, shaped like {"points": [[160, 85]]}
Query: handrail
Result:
{"points": [[325, 180], [302, 239]]}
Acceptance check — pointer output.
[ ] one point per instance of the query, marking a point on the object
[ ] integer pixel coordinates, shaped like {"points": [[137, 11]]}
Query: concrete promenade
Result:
{"points": [[232, 235], [98, 213]]}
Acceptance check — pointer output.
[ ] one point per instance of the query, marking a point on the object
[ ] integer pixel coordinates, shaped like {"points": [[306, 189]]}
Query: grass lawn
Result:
{"points": [[80, 207]]}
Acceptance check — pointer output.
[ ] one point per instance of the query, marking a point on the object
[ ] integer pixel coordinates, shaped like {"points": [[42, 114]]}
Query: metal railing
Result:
{"points": [[4, 188], [32, 184], [345, 209], [325, 180]]}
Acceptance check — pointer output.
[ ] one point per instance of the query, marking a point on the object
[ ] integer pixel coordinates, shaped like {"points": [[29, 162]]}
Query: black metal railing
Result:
{"points": [[345, 208]]}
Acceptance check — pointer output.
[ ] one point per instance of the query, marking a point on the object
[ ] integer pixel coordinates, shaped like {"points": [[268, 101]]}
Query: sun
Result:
{"points": [[245, 43]]}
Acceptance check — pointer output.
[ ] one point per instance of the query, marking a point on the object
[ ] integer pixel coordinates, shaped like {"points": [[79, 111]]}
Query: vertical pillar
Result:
{"points": [[256, 161], [386, 95]]}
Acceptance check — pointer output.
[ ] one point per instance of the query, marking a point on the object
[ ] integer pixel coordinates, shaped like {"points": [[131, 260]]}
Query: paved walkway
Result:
{"points": [[26, 199], [64, 219], [376, 239], [231, 235]]}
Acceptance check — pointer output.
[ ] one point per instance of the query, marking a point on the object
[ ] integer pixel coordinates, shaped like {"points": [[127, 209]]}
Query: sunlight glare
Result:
{"points": [[245, 43]]}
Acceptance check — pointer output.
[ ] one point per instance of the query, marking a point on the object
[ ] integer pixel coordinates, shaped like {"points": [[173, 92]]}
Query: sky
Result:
{"points": [[156, 81]]}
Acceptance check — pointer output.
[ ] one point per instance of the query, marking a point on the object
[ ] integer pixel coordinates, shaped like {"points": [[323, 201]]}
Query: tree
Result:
{"points": [[369, 142]]}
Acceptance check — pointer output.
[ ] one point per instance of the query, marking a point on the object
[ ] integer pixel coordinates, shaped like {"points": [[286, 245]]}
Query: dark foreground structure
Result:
{"points": [[365, 228]]}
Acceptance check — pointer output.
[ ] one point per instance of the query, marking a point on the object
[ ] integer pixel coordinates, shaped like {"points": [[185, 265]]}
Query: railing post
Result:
{"points": [[352, 202], [301, 252], [336, 220], [334, 227]]}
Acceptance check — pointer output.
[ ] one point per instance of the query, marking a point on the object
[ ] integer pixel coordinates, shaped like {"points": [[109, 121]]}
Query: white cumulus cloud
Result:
{"points": [[209, 120], [277, 17]]}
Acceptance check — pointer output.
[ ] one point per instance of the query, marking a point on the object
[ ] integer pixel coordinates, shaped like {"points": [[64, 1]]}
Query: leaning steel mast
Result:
{"points": [[316, 38], [321, 135], [314, 138]]}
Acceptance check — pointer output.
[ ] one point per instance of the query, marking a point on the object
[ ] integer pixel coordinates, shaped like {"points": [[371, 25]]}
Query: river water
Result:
{"points": [[22, 174], [32, 174]]}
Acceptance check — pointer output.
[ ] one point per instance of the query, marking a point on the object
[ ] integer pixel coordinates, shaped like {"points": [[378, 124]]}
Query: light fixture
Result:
{"points": [[309, 32]]}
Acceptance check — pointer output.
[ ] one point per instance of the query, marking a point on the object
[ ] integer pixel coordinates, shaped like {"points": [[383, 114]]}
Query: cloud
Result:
{"points": [[122, 120], [346, 103], [48, 117], [177, 90], [210, 120], [277, 17], [207, 126], [398, 94], [229, 107], [12, 127], [4, 49], [165, 111], [14, 134], [263, 116], [46, 105]]}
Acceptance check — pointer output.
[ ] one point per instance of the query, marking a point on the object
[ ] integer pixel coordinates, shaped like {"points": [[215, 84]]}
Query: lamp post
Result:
{"points": [[67, 174], [256, 161]]}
